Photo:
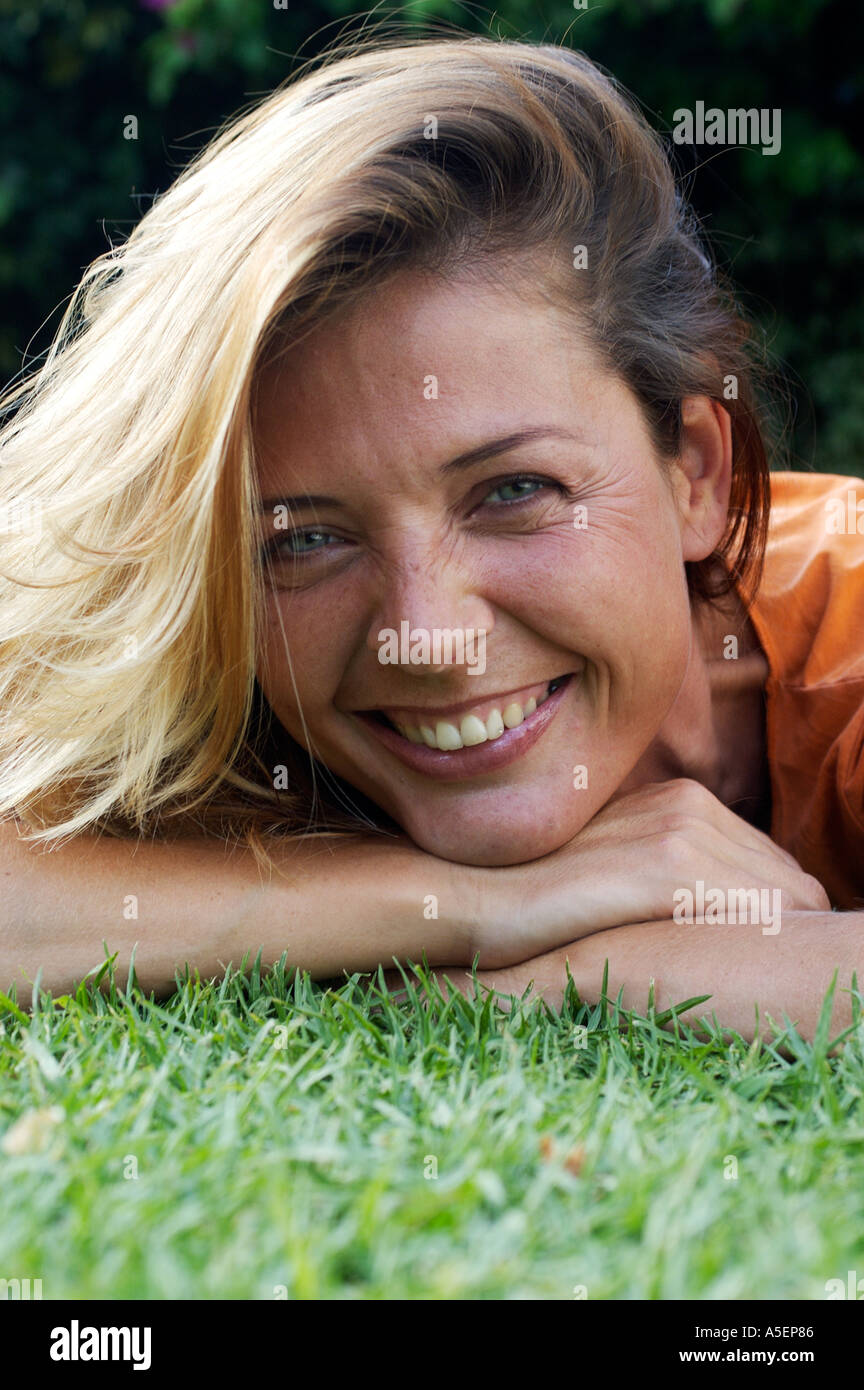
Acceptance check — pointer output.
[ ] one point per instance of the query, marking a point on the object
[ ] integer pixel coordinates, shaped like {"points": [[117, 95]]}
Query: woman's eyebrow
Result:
{"points": [[481, 454], [305, 499], [505, 444]]}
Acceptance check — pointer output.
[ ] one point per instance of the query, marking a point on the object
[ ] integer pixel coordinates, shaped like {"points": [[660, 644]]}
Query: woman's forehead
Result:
{"points": [[423, 354]]}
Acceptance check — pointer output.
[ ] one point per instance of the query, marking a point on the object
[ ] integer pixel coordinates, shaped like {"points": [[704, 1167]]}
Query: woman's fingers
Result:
{"points": [[673, 836], [636, 861]]}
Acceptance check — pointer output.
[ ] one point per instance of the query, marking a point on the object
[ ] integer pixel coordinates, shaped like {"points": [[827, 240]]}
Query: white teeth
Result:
{"points": [[448, 736], [494, 724], [513, 716], [473, 731]]}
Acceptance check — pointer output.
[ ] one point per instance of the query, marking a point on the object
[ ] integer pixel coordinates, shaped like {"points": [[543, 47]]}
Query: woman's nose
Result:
{"points": [[429, 617]]}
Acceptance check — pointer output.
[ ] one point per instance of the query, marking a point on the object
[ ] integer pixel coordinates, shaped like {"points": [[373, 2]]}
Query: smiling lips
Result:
{"points": [[461, 741], [448, 730]]}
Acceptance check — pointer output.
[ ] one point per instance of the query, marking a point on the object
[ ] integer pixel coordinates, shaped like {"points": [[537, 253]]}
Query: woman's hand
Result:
{"points": [[625, 866]]}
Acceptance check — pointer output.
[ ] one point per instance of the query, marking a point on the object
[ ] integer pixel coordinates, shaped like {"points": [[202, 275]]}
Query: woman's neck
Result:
{"points": [[715, 731]]}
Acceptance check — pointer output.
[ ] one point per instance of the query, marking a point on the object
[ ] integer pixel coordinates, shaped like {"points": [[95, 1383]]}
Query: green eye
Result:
{"points": [[298, 545], [303, 542], [518, 487]]}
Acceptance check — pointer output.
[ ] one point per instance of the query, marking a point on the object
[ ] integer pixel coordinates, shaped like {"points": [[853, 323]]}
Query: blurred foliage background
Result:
{"points": [[788, 228]]}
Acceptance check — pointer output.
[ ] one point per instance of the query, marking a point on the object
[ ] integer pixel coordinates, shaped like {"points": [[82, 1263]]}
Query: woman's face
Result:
{"points": [[474, 470]]}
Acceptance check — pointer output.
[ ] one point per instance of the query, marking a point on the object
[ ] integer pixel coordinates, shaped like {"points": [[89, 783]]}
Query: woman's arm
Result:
{"points": [[338, 906], [742, 969], [351, 905]]}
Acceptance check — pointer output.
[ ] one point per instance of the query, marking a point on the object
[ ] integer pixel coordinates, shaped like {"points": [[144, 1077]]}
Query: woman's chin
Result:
{"points": [[489, 849]]}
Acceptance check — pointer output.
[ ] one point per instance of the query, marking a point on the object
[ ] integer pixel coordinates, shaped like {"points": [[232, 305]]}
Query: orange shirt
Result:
{"points": [[809, 617]]}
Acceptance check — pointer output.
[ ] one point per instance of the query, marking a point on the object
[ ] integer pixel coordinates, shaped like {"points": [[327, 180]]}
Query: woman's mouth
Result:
{"points": [[462, 741]]}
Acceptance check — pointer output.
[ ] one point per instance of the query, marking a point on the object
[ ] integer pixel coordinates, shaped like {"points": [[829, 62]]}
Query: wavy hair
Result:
{"points": [[129, 588]]}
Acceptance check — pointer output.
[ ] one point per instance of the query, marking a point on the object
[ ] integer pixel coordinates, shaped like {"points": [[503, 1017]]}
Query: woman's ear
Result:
{"points": [[703, 475]]}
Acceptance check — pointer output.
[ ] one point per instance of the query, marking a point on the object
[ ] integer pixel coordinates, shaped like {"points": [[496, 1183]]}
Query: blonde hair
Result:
{"points": [[128, 614]]}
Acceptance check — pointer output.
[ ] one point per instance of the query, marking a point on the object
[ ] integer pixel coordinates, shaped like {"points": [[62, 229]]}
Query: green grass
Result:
{"points": [[281, 1132]]}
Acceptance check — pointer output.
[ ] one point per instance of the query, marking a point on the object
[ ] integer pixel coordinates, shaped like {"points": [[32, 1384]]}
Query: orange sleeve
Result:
{"points": [[809, 616]]}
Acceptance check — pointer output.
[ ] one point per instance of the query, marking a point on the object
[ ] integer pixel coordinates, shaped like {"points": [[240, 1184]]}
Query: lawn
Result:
{"points": [[262, 1136]]}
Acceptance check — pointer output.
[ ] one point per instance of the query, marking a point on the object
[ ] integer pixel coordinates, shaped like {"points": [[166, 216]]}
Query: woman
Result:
{"points": [[391, 517]]}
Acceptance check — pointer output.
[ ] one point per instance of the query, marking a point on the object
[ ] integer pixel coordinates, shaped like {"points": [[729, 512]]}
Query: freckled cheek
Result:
{"points": [[623, 607], [302, 659], [583, 587]]}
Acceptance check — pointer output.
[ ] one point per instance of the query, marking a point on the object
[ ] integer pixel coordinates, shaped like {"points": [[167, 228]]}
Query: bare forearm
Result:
{"points": [[336, 905], [739, 967]]}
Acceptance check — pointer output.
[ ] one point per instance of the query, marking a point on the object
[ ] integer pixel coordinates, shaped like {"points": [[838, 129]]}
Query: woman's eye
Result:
{"points": [[300, 544], [303, 542], [514, 489], [294, 544]]}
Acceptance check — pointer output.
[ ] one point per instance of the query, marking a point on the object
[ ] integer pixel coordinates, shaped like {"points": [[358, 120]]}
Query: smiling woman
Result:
{"points": [[425, 341], [408, 537]]}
